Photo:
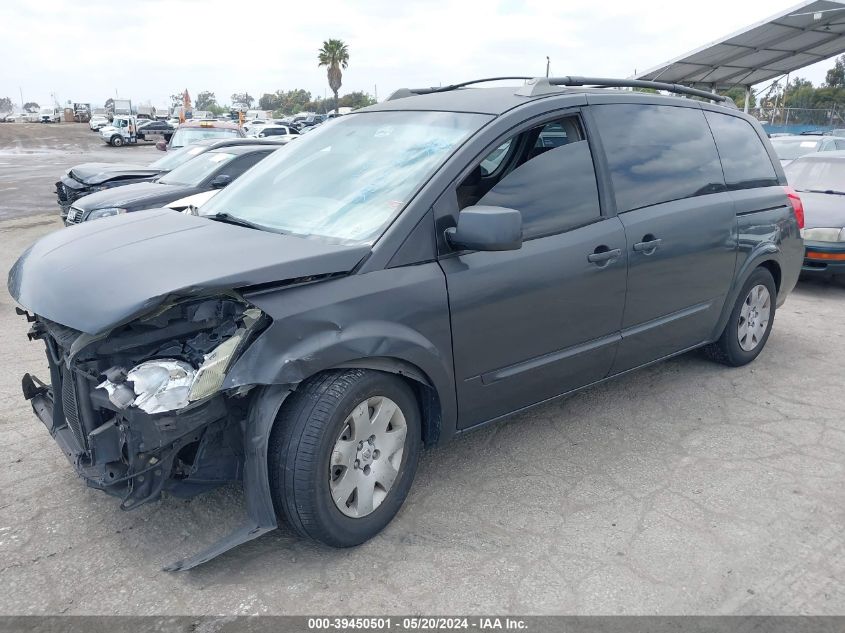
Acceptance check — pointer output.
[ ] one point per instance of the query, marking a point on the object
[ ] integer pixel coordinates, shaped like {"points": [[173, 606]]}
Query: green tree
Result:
{"points": [[31, 106], [800, 93], [835, 77], [334, 55], [285, 102], [243, 100], [294, 101], [270, 101], [5, 104], [205, 100], [356, 100]]}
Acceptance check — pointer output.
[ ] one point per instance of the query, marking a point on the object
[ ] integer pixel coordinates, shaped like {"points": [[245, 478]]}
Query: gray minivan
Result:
{"points": [[408, 273]]}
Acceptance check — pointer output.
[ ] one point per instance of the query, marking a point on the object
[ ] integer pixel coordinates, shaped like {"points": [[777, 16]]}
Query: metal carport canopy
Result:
{"points": [[807, 33]]}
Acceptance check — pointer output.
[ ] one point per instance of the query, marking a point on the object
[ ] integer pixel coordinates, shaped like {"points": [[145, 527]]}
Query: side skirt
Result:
{"points": [[573, 391]]}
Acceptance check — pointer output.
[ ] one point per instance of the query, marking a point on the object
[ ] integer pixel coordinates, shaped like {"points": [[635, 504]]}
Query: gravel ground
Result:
{"points": [[683, 488]]}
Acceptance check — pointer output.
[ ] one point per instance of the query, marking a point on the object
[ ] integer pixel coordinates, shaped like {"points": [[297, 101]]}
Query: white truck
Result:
{"points": [[50, 115], [122, 106], [123, 130]]}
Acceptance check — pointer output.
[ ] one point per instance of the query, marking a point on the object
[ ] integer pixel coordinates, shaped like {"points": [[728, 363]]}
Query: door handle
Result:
{"points": [[602, 257], [648, 246]]}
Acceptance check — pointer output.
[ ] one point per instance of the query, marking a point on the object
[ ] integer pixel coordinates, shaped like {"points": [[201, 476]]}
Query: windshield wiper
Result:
{"points": [[228, 218], [829, 191]]}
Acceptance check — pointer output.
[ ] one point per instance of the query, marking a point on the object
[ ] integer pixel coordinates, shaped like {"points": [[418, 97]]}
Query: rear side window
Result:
{"points": [[545, 173], [745, 161], [658, 153]]}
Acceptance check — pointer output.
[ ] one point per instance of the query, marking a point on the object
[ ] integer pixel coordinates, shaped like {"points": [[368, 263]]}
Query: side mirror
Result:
{"points": [[221, 181], [483, 228], [162, 145]]}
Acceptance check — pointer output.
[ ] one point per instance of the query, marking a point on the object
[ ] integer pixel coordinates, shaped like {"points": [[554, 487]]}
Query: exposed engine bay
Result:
{"points": [[140, 410]]}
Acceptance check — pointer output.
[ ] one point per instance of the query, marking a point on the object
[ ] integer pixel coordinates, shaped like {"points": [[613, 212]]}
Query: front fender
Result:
{"points": [[398, 314]]}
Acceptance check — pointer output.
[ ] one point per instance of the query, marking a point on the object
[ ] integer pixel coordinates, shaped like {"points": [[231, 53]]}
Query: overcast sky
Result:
{"points": [[86, 50]]}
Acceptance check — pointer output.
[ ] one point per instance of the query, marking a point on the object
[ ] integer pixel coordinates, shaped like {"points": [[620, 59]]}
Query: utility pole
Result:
{"points": [[21, 91], [548, 63], [375, 87]]}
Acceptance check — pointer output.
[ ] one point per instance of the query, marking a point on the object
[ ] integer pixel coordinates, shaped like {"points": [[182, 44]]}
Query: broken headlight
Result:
{"points": [[212, 372], [156, 386], [159, 385]]}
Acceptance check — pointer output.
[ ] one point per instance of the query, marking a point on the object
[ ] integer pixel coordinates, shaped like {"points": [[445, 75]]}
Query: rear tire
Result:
{"points": [[341, 457], [749, 324]]}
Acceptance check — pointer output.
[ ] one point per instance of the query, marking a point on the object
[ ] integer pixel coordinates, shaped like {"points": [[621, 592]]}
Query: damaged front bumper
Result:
{"points": [[135, 455], [68, 191]]}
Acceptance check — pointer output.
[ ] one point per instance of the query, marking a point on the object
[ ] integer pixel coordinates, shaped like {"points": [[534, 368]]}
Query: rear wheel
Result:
{"points": [[343, 455], [750, 323]]}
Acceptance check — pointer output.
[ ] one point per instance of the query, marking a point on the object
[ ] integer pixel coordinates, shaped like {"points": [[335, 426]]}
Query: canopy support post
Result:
{"points": [[747, 99]]}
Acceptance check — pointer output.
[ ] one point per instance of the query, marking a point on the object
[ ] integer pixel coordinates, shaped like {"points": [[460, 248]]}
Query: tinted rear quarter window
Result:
{"points": [[658, 153], [745, 161]]}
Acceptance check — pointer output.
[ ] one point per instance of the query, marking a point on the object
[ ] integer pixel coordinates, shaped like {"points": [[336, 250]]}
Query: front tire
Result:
{"points": [[116, 141], [343, 454], [750, 323]]}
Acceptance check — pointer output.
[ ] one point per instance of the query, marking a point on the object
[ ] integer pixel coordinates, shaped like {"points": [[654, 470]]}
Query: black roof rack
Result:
{"points": [[408, 92], [604, 82], [535, 86]]}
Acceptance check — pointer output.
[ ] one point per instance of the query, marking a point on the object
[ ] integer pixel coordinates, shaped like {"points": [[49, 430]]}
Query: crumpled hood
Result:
{"points": [[823, 210], [97, 173], [97, 275], [144, 195]]}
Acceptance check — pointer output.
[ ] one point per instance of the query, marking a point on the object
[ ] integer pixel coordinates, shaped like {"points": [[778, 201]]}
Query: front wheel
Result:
{"points": [[116, 141], [343, 455], [750, 323]]}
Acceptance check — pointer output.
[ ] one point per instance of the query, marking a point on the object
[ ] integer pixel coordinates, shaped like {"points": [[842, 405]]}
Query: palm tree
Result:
{"points": [[334, 55]]}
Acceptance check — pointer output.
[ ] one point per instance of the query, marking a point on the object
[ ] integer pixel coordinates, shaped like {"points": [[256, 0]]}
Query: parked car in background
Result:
{"points": [[23, 117], [788, 148], [266, 131], [253, 124], [87, 178], [213, 169], [312, 120], [192, 131], [50, 115], [820, 179], [97, 122], [383, 285], [154, 128]]}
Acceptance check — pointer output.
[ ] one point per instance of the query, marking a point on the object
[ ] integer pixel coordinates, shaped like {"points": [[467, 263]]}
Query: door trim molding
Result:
{"points": [[537, 362], [667, 318]]}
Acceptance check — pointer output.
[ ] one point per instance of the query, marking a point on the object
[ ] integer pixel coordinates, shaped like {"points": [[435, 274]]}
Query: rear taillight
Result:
{"points": [[797, 205]]}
